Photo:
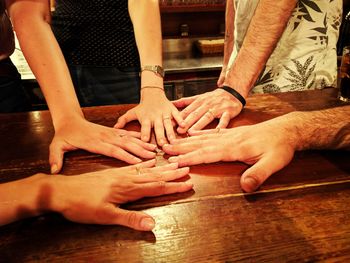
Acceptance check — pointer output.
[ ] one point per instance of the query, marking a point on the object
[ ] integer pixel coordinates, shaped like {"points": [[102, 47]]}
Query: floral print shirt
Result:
{"points": [[305, 56]]}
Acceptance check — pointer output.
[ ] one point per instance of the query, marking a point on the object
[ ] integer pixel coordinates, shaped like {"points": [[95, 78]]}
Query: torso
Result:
{"points": [[305, 56], [95, 32]]}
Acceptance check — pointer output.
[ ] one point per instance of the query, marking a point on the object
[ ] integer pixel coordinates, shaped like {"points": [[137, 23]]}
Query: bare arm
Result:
{"points": [[268, 146], [92, 198], [145, 17], [155, 110], [72, 131], [229, 31], [41, 50], [229, 38], [265, 30], [326, 129]]}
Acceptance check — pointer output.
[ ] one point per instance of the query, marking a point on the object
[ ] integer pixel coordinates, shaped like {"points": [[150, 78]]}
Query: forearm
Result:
{"points": [[21, 199], [229, 32], [326, 129], [145, 16], [45, 58], [264, 32]]}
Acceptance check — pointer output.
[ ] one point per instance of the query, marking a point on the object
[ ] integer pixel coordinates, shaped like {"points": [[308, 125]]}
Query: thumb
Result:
{"points": [[183, 102], [123, 120], [253, 177], [56, 157], [135, 220]]}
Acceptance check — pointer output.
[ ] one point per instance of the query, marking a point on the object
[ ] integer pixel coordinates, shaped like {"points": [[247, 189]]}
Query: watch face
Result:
{"points": [[156, 69]]}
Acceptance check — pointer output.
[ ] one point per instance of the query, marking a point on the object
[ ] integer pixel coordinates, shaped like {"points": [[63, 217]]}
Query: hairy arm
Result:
{"points": [[326, 129], [267, 146], [229, 37], [229, 32], [264, 32]]}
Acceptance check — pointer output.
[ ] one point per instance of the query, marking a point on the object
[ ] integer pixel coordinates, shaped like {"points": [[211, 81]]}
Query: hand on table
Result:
{"points": [[266, 146], [154, 111], [94, 198], [82, 134], [202, 109]]}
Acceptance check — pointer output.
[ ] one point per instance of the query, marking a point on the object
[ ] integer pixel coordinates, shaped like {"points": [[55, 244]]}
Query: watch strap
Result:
{"points": [[154, 68]]}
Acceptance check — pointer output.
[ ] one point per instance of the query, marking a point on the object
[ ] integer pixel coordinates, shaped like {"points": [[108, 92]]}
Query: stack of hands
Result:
{"points": [[203, 146]]}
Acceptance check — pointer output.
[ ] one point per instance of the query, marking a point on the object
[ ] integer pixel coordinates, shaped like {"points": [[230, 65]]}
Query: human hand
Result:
{"points": [[267, 146], [203, 109], [94, 198], [154, 111], [81, 134]]}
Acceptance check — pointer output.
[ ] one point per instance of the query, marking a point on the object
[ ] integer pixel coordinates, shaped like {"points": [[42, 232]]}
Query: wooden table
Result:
{"points": [[301, 213]]}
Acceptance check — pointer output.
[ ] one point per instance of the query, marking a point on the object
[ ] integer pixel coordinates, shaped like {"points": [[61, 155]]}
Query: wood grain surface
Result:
{"points": [[301, 213]]}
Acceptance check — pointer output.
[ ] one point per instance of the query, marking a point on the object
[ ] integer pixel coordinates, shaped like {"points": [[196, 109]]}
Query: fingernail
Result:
{"points": [[189, 184], [144, 138], [183, 124], [137, 160], [54, 168], [173, 159], [250, 183], [147, 224]]}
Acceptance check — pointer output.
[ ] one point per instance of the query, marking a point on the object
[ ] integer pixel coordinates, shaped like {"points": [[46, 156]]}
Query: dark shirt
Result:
{"points": [[95, 32], [7, 42]]}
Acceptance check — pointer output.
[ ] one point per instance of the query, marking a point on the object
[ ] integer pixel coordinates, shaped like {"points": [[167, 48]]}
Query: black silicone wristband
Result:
{"points": [[235, 94]]}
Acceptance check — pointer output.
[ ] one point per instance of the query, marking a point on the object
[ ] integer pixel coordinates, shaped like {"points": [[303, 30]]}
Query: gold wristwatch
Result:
{"points": [[158, 70]]}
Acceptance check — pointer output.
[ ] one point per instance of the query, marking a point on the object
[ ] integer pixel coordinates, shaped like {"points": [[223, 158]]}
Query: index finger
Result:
{"points": [[202, 122], [208, 154]]}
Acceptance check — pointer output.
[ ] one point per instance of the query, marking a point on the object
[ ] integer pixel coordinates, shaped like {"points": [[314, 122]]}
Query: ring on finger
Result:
{"points": [[138, 170], [217, 130], [210, 111]]}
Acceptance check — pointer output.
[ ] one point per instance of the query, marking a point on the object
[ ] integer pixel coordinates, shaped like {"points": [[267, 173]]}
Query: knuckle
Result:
{"points": [[104, 136], [132, 218], [158, 177], [203, 151], [161, 186]]}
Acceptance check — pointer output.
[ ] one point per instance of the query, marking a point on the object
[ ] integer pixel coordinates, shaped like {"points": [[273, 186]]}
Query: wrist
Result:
{"points": [[289, 128], [155, 69], [235, 94], [62, 120], [149, 78], [51, 189], [22, 198], [152, 92], [37, 194]]}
